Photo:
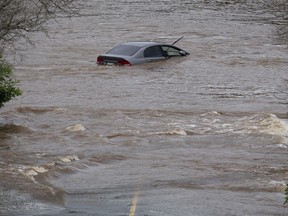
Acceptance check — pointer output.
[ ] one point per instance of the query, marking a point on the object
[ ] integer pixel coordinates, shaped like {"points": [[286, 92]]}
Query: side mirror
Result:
{"points": [[183, 53], [166, 55]]}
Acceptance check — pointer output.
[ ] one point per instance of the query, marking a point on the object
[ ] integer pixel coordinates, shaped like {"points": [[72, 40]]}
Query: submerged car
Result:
{"points": [[133, 53]]}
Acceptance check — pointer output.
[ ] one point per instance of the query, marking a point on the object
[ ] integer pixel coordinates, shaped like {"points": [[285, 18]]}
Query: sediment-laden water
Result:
{"points": [[200, 135]]}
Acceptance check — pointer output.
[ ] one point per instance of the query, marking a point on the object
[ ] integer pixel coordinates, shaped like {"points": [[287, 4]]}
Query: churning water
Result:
{"points": [[200, 135]]}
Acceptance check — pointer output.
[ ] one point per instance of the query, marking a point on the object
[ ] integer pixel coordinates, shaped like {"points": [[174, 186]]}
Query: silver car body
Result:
{"points": [[134, 53]]}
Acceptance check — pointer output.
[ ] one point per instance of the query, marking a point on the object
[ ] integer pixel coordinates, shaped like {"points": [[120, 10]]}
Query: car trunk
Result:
{"points": [[108, 60]]}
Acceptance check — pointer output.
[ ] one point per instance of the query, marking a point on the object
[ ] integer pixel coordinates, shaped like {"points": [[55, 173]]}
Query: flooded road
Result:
{"points": [[200, 135]]}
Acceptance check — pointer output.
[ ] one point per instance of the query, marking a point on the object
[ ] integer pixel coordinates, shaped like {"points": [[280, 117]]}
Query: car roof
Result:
{"points": [[141, 43]]}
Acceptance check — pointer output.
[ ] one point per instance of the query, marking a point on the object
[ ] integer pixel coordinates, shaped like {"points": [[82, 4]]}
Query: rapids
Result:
{"points": [[201, 135]]}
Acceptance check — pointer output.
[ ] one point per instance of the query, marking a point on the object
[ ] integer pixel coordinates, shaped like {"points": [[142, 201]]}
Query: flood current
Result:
{"points": [[200, 135]]}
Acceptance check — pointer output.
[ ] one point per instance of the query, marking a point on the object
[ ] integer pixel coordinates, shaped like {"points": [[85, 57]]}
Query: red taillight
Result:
{"points": [[123, 62], [100, 60]]}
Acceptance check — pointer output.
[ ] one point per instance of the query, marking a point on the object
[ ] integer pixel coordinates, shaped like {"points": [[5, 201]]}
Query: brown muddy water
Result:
{"points": [[201, 135]]}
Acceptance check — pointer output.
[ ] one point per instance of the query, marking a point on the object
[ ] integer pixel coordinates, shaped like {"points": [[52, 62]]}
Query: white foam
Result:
{"points": [[277, 183], [59, 109], [69, 158], [31, 171], [77, 127], [281, 146], [274, 126], [262, 123], [212, 113], [176, 131]]}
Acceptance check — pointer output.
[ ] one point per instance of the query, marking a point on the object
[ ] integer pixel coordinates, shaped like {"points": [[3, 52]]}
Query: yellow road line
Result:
{"points": [[134, 204]]}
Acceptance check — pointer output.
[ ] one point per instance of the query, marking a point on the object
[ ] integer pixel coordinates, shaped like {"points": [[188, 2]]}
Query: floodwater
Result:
{"points": [[200, 135]]}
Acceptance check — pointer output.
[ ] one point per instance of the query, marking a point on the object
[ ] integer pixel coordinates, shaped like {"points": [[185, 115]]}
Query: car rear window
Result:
{"points": [[126, 50]]}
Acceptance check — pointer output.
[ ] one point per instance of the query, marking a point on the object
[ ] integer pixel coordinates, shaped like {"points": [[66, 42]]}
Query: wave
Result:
{"points": [[213, 122], [31, 172], [76, 127], [221, 123], [13, 128], [262, 123], [209, 123], [39, 110], [61, 165], [33, 179], [67, 164], [176, 131]]}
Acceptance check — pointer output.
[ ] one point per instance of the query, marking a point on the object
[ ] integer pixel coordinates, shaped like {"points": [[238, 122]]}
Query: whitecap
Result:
{"points": [[59, 109], [69, 158], [40, 169], [262, 123], [31, 171], [274, 126], [281, 146], [77, 127], [211, 113], [277, 183], [176, 131]]}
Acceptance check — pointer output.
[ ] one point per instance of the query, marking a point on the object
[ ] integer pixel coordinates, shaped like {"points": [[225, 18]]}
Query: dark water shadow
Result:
{"points": [[281, 34], [278, 10], [6, 130]]}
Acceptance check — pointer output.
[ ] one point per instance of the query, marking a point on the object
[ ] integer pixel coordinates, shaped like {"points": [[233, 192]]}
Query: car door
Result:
{"points": [[153, 53], [171, 51]]}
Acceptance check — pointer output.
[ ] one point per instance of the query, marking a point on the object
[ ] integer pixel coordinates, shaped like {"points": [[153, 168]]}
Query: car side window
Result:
{"points": [[154, 51], [171, 51]]}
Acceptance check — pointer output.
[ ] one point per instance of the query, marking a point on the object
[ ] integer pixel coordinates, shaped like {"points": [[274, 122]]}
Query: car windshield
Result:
{"points": [[126, 50]]}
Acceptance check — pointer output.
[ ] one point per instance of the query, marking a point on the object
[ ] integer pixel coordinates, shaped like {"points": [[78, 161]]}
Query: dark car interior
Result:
{"points": [[163, 51]]}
